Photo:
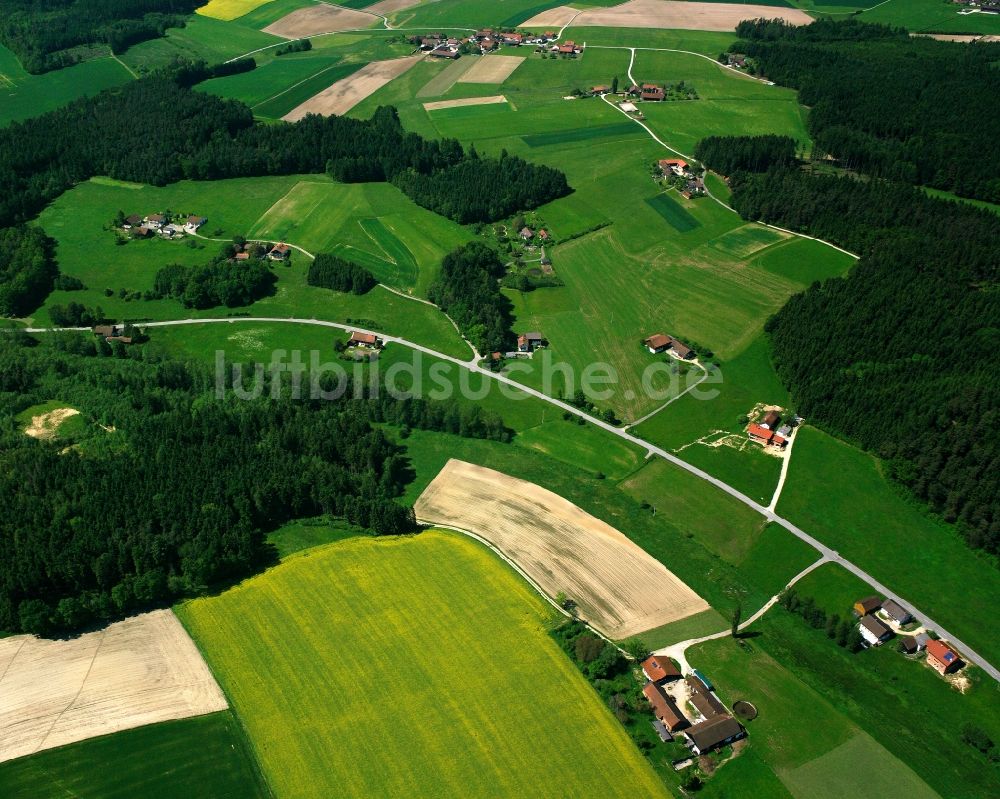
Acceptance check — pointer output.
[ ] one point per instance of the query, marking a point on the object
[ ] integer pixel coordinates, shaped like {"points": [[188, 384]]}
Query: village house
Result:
{"points": [[486, 45], [657, 343], [681, 350], [141, 232], [526, 233], [942, 658], [873, 631], [131, 221], [702, 698], [664, 708], [896, 612], [194, 222], [693, 188], [771, 420], [713, 733], [737, 60], [106, 331], [155, 221], [485, 33], [676, 166], [529, 342], [359, 339], [512, 39], [660, 669], [242, 256], [279, 252], [600, 90], [863, 607], [908, 645], [444, 51], [767, 437], [650, 91]]}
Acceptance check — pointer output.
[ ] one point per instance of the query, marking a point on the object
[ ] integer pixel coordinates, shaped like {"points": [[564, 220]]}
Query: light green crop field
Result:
{"points": [[839, 494], [415, 665], [201, 38], [271, 11], [930, 16], [273, 78], [709, 43], [23, 95], [798, 728], [203, 756]]}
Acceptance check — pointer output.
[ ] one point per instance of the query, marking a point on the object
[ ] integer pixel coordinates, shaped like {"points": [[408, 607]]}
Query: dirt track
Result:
{"points": [[346, 93], [139, 671], [669, 14], [492, 69], [438, 105], [319, 19], [618, 587]]}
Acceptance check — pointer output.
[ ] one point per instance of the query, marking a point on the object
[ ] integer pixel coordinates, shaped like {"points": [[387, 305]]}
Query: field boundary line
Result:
{"points": [[128, 69], [296, 85]]}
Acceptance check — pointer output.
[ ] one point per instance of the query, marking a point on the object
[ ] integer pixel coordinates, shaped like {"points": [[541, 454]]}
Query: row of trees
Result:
{"points": [[468, 290], [40, 32], [843, 631], [221, 282], [157, 131], [27, 269], [895, 106], [332, 272], [902, 356]]}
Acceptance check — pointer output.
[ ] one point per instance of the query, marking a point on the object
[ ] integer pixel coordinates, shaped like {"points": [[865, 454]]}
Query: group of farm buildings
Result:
{"points": [[486, 40], [875, 617]]}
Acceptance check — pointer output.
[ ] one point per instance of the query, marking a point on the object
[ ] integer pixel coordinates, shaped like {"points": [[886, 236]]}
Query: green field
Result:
{"points": [[931, 16], [672, 212], [839, 494], [23, 95], [204, 756], [580, 134], [388, 680]]}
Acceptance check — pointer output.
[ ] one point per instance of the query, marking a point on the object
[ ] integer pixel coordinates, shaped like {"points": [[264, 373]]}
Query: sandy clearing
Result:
{"points": [[320, 18], [492, 69], [673, 14], [46, 425], [139, 671], [386, 7], [437, 106], [554, 17], [346, 93], [618, 587]]}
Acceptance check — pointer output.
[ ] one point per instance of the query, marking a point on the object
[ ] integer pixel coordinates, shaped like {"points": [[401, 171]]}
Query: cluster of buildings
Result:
{"points": [[710, 726], [487, 40], [694, 184], [978, 6], [277, 252], [660, 342], [145, 226], [875, 617], [112, 333], [769, 431], [527, 234]]}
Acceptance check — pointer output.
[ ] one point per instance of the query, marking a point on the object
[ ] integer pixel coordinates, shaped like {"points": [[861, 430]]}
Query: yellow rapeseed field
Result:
{"points": [[411, 666], [229, 9]]}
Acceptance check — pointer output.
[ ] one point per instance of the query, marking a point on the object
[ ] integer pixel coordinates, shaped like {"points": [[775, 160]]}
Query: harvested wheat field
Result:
{"points": [[46, 425], [139, 671], [618, 587], [553, 17], [672, 14], [439, 104], [347, 92], [320, 18], [386, 7], [492, 69]]}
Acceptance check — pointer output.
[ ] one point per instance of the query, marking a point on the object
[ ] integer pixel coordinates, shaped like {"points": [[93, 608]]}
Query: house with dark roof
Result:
{"points": [[279, 252], [707, 704], [896, 612], [529, 342], [908, 645], [713, 733], [131, 221], [868, 605], [681, 350], [660, 669], [664, 708], [873, 631], [771, 420], [942, 658], [650, 91]]}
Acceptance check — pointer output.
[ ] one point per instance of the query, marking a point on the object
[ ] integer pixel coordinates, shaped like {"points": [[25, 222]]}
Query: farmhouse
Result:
{"points": [[194, 222], [486, 45], [279, 252], [868, 605], [599, 90], [512, 39], [702, 698], [526, 233], [942, 658], [664, 708], [677, 166], [141, 232], [660, 669], [770, 420], [131, 221], [565, 49], [695, 187], [650, 91], [359, 339], [680, 349], [444, 51], [529, 342], [873, 631], [155, 221], [657, 343], [896, 612], [908, 645], [713, 733]]}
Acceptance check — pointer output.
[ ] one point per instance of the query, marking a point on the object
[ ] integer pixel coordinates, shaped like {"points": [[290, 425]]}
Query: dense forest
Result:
{"points": [[172, 491], [331, 272], [887, 104], [729, 154], [156, 131], [220, 282], [468, 290], [40, 31], [27, 269], [903, 355]]}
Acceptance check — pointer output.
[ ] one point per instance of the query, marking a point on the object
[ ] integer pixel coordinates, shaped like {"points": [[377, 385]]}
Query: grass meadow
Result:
{"points": [[202, 756], [839, 494], [435, 634], [930, 16], [23, 95]]}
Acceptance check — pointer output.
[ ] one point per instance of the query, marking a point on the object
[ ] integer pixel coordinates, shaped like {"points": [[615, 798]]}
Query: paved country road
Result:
{"points": [[829, 554]]}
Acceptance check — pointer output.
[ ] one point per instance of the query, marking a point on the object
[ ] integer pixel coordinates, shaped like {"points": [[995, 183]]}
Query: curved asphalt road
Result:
{"points": [[472, 365]]}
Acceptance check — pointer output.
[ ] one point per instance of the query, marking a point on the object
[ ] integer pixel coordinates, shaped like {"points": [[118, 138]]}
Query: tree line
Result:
{"points": [[901, 356], [156, 131], [27, 269], [729, 154], [173, 491], [40, 33], [888, 104], [333, 272], [468, 290]]}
